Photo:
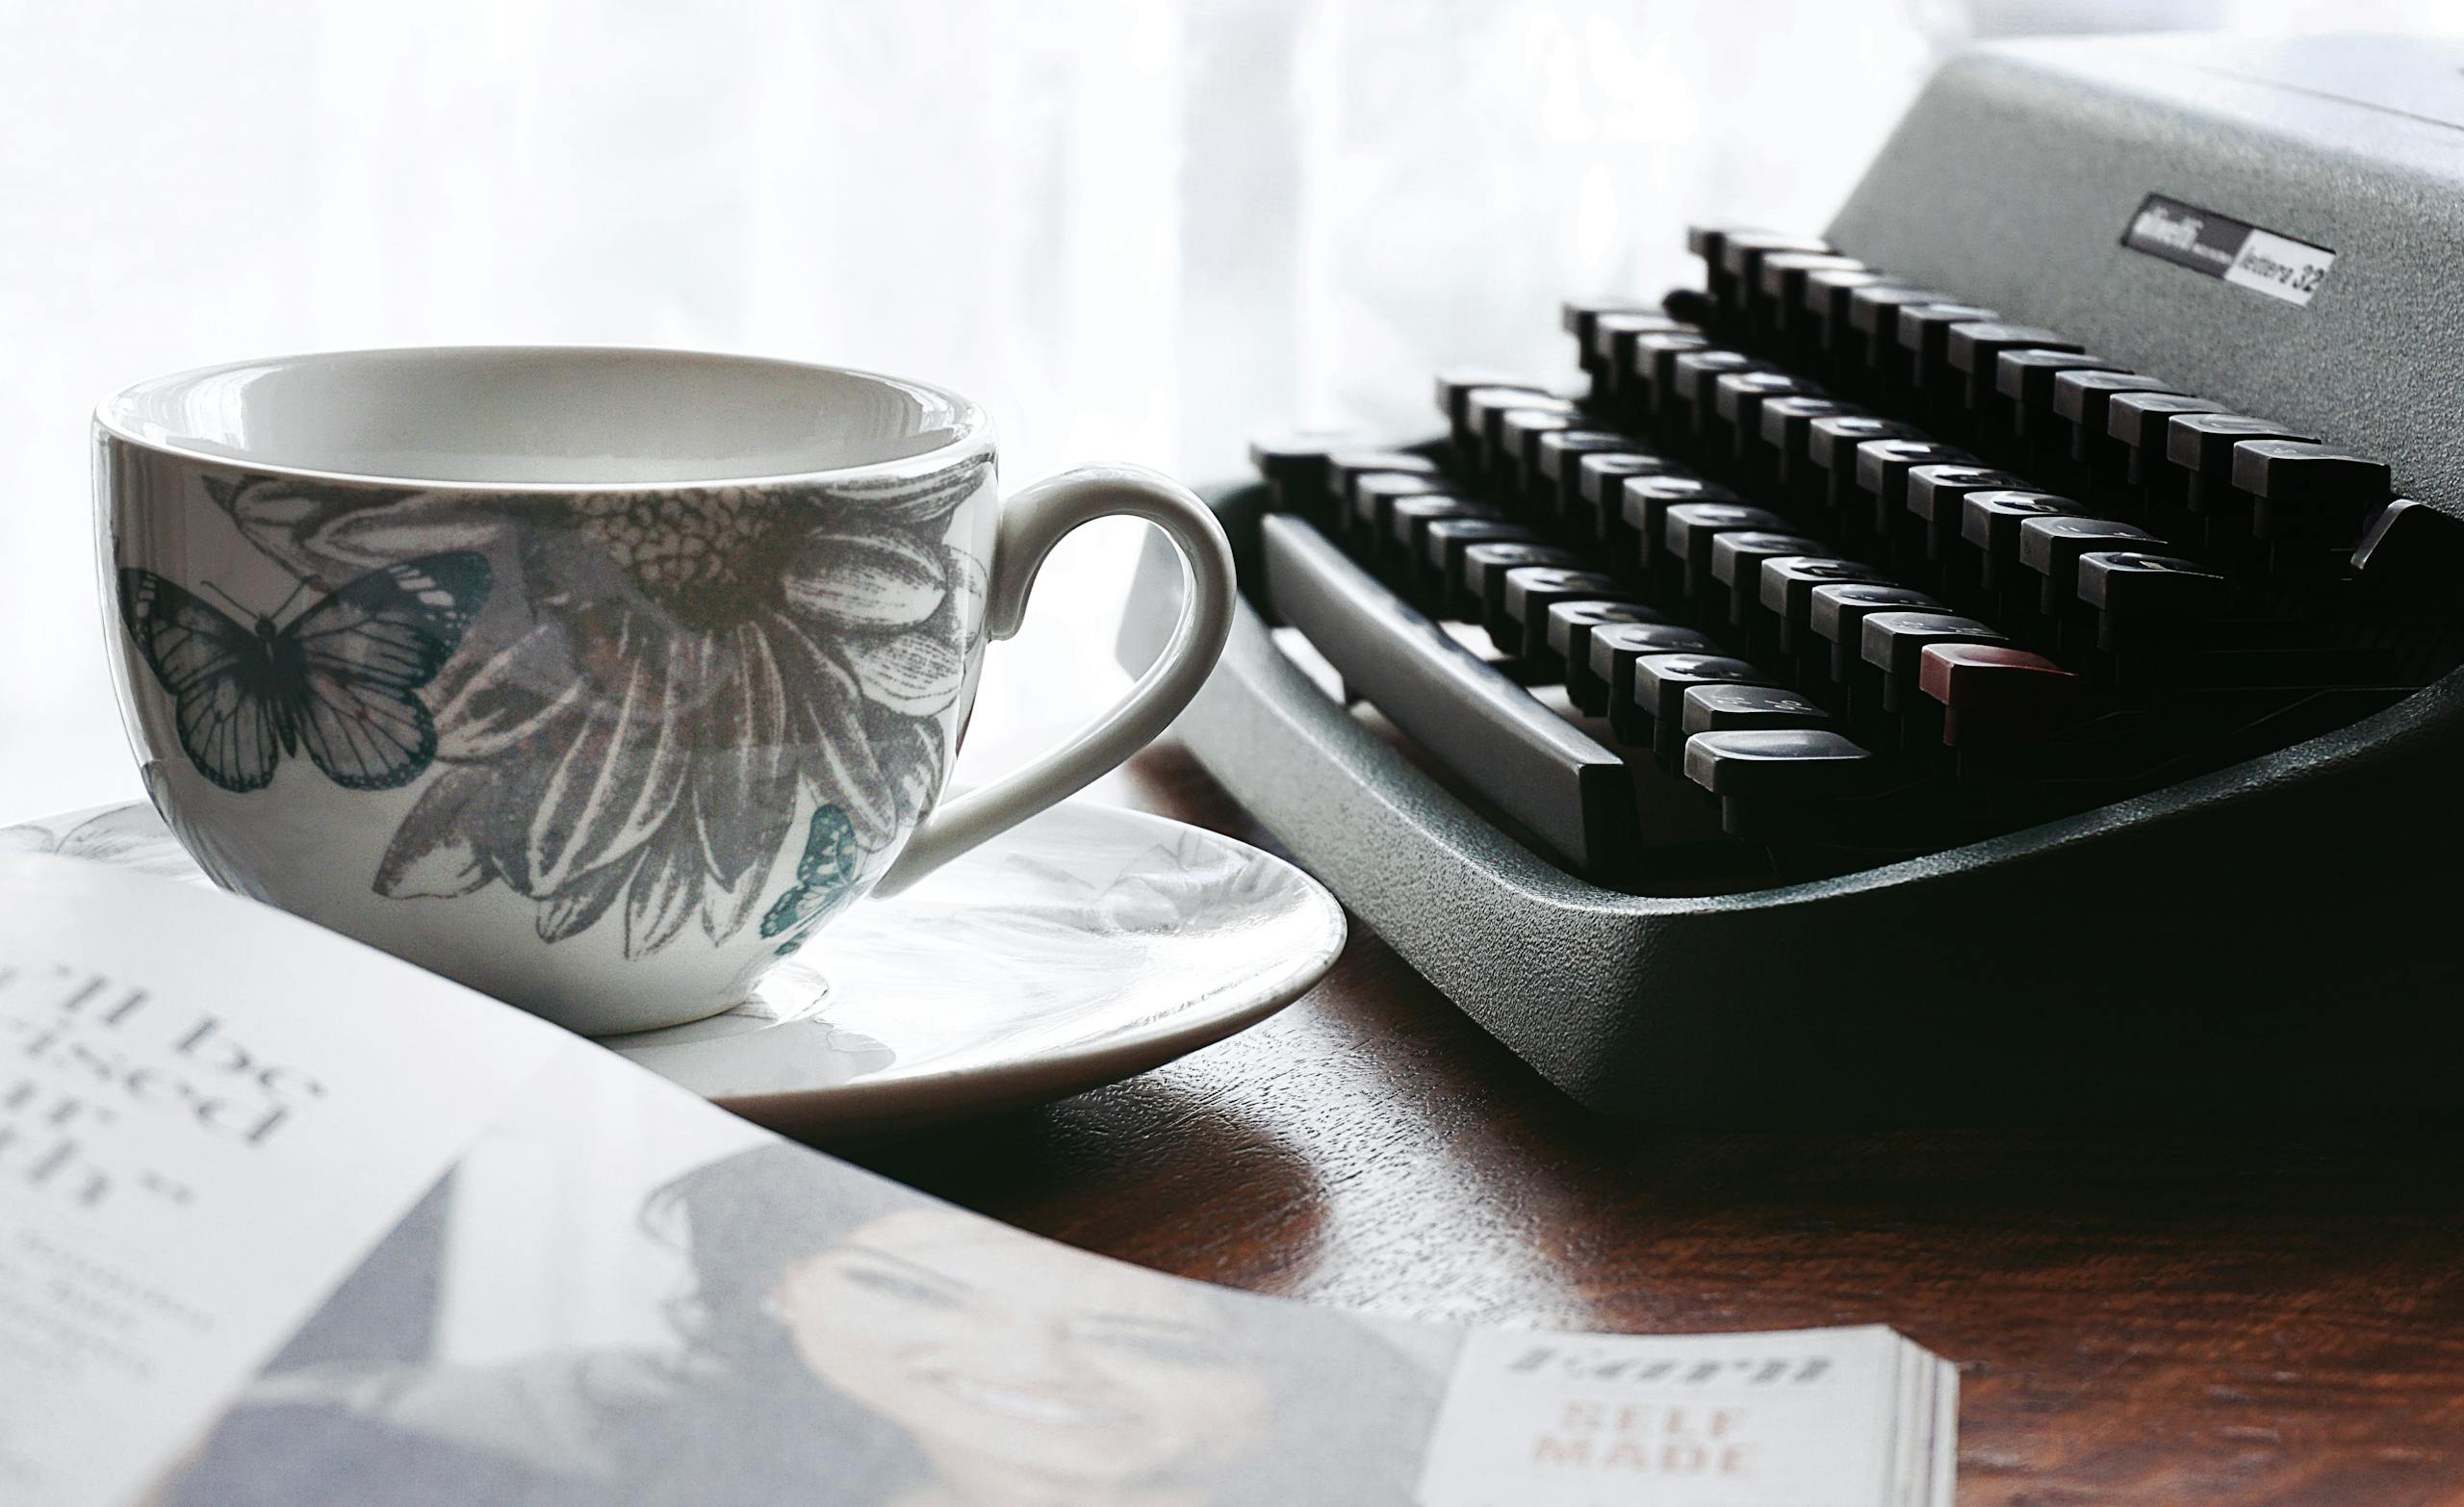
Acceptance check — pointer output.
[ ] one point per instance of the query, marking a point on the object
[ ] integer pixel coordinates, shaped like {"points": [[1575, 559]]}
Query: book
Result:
{"points": [[284, 1220]]}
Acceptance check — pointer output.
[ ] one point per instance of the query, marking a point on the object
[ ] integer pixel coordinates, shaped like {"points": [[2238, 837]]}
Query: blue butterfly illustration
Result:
{"points": [[823, 875], [338, 680]]}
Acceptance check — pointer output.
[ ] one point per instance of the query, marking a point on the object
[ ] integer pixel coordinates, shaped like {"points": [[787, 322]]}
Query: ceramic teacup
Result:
{"points": [[594, 678]]}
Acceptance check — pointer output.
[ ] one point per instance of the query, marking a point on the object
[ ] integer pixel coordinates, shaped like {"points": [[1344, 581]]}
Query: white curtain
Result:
{"points": [[1135, 229]]}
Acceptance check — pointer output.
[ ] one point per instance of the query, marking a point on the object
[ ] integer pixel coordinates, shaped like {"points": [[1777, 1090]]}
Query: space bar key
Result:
{"points": [[1570, 791]]}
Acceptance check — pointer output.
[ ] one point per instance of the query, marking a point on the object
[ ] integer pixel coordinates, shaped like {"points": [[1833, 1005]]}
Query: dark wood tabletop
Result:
{"points": [[2180, 1315]]}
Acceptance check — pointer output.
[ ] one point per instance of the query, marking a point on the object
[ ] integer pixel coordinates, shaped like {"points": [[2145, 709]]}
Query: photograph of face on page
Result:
{"points": [[757, 1325]]}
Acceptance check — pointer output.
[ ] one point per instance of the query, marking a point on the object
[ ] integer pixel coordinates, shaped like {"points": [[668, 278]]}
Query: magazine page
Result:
{"points": [[499, 1265], [209, 1112]]}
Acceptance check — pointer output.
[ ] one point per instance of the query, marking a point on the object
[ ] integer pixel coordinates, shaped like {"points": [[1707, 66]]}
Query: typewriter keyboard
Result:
{"points": [[1823, 570]]}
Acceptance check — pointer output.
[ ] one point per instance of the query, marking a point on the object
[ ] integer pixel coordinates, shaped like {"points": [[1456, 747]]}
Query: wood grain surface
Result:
{"points": [[2268, 1313]]}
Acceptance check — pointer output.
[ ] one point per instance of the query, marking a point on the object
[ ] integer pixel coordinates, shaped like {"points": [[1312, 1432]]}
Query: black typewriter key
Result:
{"points": [[1786, 588], [1737, 567], [1642, 512], [1599, 480], [1373, 495], [1711, 243], [1533, 590], [1652, 370], [1737, 289], [1615, 650], [1579, 316], [2023, 387], [2140, 417], [1838, 612], [1783, 272], [1742, 253], [1658, 696], [1824, 304], [1778, 305], [1738, 399], [2131, 584], [2025, 376], [1873, 315], [2307, 490], [1892, 643], [1692, 372], [1784, 422], [2137, 422], [1688, 531], [1870, 353], [2081, 401], [1473, 433], [2200, 446], [2080, 398], [1558, 460], [2139, 597], [1994, 694], [1346, 466], [1456, 384], [1805, 763], [1688, 411], [1705, 240], [1480, 586], [1882, 470], [1989, 521], [1831, 452], [1767, 779], [1293, 464], [1923, 332], [1408, 523], [1935, 493], [1442, 547], [1346, 469], [2051, 547], [1568, 637], [1610, 354], [1973, 351], [1613, 336], [1484, 411], [1730, 708], [1517, 451]]}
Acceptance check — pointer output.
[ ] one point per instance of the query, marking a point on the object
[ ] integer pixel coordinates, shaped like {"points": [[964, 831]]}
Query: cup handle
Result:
{"points": [[1031, 523]]}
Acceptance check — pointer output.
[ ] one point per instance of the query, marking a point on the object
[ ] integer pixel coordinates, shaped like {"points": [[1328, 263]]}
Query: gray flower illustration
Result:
{"points": [[678, 668]]}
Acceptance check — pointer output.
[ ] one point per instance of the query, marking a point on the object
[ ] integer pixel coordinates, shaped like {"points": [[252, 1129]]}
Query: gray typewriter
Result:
{"points": [[1995, 659]]}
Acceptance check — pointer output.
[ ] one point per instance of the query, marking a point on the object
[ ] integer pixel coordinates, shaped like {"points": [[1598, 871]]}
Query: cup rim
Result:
{"points": [[974, 427]]}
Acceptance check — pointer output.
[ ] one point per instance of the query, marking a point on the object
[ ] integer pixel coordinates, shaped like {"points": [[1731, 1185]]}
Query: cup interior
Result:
{"points": [[550, 417]]}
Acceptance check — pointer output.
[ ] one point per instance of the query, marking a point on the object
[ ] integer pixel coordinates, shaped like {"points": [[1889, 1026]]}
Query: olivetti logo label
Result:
{"points": [[2234, 250]]}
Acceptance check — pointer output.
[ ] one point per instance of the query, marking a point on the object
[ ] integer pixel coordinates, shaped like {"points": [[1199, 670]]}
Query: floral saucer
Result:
{"points": [[1085, 945]]}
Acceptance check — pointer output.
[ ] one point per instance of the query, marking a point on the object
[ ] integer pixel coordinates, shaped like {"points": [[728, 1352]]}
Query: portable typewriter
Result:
{"points": [[1996, 658]]}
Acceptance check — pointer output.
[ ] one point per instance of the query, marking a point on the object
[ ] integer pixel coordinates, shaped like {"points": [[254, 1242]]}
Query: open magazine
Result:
{"points": [[284, 1220]]}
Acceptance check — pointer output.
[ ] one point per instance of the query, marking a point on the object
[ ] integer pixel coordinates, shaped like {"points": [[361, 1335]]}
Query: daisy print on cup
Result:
{"points": [[598, 679]]}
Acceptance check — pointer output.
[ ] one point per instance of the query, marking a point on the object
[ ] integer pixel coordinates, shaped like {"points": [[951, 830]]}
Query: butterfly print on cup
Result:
{"points": [[826, 876], [680, 681], [340, 680]]}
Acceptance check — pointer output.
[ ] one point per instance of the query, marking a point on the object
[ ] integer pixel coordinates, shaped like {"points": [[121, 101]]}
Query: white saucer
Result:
{"points": [[1085, 945]]}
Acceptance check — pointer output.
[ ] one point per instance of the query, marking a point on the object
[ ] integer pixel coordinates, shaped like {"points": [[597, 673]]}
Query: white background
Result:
{"points": [[1134, 229]]}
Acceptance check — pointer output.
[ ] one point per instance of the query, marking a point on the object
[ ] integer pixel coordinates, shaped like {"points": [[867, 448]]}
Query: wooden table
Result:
{"points": [[2193, 1315]]}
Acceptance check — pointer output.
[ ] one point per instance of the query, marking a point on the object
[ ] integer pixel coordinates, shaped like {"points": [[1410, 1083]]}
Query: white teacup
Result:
{"points": [[593, 679]]}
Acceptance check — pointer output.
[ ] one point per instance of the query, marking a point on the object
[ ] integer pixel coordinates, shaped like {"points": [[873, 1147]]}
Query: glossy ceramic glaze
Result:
{"points": [[1085, 944], [596, 679]]}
